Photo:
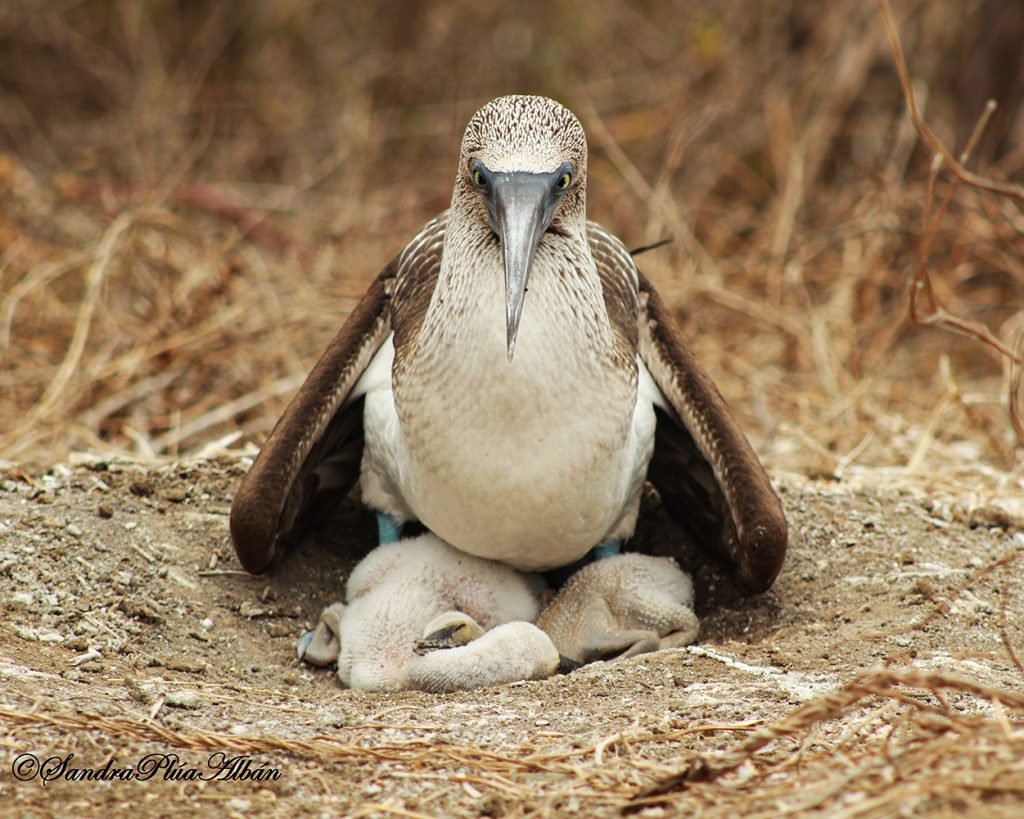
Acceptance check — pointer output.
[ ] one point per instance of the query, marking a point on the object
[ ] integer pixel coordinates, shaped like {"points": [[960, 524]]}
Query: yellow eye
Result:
{"points": [[478, 178], [564, 181]]}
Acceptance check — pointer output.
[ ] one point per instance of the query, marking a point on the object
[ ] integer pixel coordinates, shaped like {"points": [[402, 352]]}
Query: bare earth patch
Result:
{"points": [[877, 676]]}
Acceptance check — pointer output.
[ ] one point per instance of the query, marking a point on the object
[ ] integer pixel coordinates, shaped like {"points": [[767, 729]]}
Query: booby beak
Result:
{"points": [[520, 206]]}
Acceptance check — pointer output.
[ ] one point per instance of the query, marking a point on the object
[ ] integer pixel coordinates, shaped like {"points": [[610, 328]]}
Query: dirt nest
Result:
{"points": [[878, 675]]}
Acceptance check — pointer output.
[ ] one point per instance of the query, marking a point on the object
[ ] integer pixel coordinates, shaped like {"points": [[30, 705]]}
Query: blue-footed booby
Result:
{"points": [[422, 615], [407, 597], [518, 426], [621, 606]]}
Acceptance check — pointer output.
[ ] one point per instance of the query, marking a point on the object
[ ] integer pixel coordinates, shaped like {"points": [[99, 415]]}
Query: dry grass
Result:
{"points": [[193, 199], [892, 741]]}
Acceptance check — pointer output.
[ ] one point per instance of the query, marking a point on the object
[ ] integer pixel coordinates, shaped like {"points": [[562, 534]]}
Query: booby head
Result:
{"points": [[523, 172]]}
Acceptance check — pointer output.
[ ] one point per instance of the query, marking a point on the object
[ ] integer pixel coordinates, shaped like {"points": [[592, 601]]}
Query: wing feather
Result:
{"points": [[703, 464], [270, 505], [705, 470], [313, 455]]}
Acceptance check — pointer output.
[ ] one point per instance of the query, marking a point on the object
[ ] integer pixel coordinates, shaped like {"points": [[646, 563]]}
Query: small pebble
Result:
{"points": [[326, 720], [73, 530], [137, 692], [188, 666], [92, 654], [249, 609], [40, 636], [141, 488], [105, 510], [184, 699]]}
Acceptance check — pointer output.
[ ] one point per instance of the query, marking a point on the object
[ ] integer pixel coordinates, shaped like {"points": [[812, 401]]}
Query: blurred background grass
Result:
{"points": [[194, 194]]}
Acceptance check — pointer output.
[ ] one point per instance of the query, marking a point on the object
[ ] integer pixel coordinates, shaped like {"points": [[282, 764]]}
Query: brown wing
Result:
{"points": [[709, 478], [312, 457], [701, 454]]}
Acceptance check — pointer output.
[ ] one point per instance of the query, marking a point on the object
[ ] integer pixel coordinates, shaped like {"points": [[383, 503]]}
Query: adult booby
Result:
{"points": [[516, 426]]}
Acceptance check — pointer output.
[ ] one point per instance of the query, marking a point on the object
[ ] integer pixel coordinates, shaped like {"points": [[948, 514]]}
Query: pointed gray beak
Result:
{"points": [[519, 206]]}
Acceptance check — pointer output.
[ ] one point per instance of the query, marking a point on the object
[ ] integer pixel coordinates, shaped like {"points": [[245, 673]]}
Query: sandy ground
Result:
{"points": [[129, 631]]}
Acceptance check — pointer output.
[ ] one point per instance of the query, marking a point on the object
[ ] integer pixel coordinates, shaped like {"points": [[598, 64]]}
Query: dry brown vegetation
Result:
{"points": [[194, 195]]}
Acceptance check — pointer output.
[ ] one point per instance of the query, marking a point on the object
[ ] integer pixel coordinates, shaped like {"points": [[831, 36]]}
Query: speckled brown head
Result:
{"points": [[522, 171]]}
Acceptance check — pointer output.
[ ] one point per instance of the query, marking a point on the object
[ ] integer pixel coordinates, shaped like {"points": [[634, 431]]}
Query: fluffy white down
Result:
{"points": [[622, 605], [400, 587], [619, 606]]}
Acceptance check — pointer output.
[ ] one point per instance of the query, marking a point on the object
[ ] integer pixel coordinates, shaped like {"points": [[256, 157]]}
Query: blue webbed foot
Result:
{"points": [[607, 549], [303, 644], [389, 530], [323, 645]]}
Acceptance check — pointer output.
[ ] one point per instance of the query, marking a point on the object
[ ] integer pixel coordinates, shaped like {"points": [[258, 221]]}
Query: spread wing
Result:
{"points": [[709, 478], [313, 455]]}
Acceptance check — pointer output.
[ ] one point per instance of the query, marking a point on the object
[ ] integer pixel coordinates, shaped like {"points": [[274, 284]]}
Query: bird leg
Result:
{"points": [[507, 653], [389, 530], [448, 630], [322, 645], [618, 645], [609, 548], [686, 635]]}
